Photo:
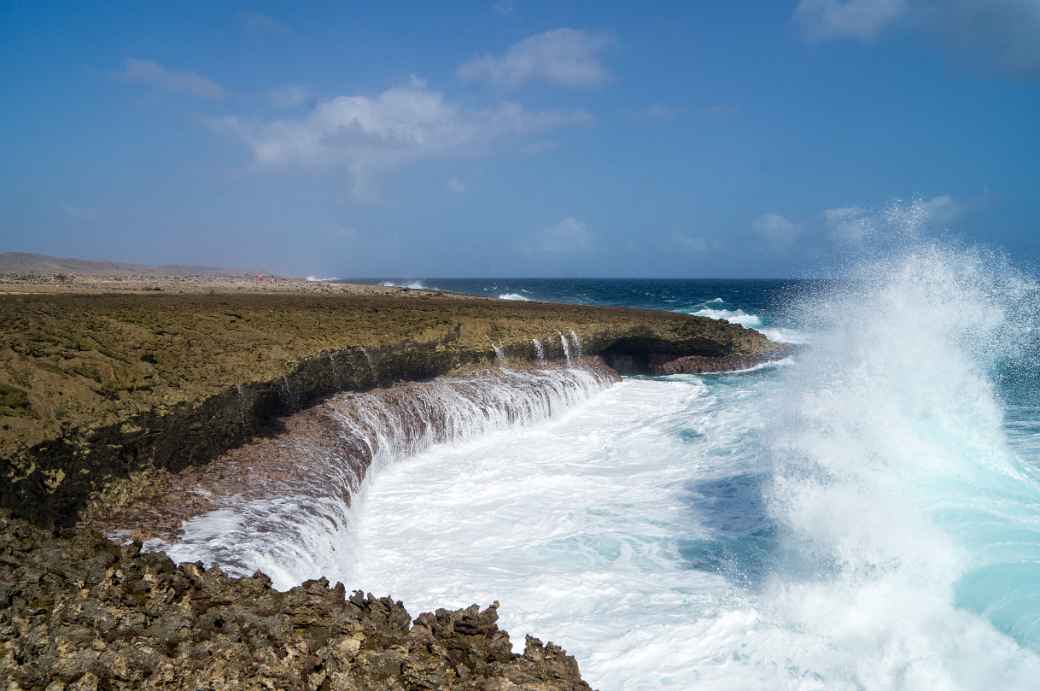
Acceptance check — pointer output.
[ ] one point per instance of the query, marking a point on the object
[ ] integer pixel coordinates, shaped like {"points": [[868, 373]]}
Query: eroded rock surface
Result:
{"points": [[80, 612]]}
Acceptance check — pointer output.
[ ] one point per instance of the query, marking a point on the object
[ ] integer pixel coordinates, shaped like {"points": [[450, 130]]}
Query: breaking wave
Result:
{"points": [[856, 519], [738, 316]]}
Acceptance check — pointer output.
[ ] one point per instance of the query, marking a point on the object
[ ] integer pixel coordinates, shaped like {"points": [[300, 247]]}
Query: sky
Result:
{"points": [[516, 138]]}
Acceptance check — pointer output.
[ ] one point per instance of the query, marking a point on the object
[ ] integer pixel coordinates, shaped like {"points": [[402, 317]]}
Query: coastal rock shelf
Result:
{"points": [[96, 387], [80, 612]]}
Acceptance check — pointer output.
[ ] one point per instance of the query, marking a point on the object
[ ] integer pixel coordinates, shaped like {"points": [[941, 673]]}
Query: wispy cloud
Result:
{"points": [[1004, 31], [569, 236], [153, 74], [456, 185], [849, 225], [503, 7], [857, 19], [693, 243], [368, 135], [567, 57], [259, 23], [290, 96], [780, 232], [662, 112]]}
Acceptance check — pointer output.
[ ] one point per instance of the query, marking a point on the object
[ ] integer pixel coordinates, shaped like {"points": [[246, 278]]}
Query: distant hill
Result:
{"points": [[28, 263]]}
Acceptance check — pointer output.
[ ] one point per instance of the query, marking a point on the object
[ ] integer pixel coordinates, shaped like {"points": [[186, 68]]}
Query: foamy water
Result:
{"points": [[855, 517]]}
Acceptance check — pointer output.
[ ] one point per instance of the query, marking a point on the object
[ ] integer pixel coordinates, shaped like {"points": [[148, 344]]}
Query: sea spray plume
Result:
{"points": [[893, 480]]}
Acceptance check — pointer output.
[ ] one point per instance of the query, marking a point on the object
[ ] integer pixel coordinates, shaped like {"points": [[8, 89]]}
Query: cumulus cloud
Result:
{"points": [[568, 57], [153, 74], [1006, 31], [777, 230], [568, 236], [404, 124], [290, 96]]}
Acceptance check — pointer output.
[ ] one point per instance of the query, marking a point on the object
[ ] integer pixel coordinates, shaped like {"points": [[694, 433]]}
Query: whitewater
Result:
{"points": [[864, 515], [859, 519]]}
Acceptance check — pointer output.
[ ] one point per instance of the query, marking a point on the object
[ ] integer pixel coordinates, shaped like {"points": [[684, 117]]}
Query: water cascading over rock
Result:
{"points": [[283, 504]]}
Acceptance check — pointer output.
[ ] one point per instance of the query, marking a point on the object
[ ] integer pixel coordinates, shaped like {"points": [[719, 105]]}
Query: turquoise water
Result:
{"points": [[863, 515]]}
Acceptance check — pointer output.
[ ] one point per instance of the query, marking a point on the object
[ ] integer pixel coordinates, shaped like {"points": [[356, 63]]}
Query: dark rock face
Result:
{"points": [[699, 364], [80, 612]]}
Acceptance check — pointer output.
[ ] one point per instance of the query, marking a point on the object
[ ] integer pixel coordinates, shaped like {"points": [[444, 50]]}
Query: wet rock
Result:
{"points": [[79, 612]]}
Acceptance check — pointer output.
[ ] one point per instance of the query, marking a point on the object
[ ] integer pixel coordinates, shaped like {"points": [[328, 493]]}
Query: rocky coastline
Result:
{"points": [[107, 398], [80, 612]]}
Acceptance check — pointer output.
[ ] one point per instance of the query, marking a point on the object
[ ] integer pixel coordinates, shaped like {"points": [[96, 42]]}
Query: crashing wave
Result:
{"points": [[411, 285], [513, 296], [738, 316]]}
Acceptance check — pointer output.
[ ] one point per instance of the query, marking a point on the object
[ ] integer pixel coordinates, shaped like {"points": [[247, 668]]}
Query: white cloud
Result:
{"points": [[370, 134], [566, 237], [503, 7], [260, 23], [1006, 31], [154, 74], [569, 57], [777, 230], [456, 185], [660, 111], [858, 19], [693, 243], [290, 96]]}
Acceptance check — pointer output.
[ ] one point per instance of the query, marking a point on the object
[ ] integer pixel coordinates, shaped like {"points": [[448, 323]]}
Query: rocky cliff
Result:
{"points": [[108, 399], [80, 612], [94, 388]]}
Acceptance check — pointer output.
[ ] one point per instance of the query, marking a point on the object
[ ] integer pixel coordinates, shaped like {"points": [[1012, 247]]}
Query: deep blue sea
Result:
{"points": [[864, 514]]}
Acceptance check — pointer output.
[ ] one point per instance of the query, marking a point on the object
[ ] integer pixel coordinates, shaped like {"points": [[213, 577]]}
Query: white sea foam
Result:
{"points": [[412, 285], [855, 520], [738, 316], [304, 534], [513, 296]]}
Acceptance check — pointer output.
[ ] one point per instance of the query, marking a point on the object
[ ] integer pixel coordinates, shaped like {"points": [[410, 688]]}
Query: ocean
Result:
{"points": [[864, 514]]}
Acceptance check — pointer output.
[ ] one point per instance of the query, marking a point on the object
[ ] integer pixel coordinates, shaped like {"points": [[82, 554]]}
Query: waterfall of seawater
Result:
{"points": [[539, 350], [566, 348], [300, 530]]}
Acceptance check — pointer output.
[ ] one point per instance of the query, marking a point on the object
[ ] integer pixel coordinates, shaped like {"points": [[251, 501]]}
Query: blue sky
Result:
{"points": [[515, 138]]}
